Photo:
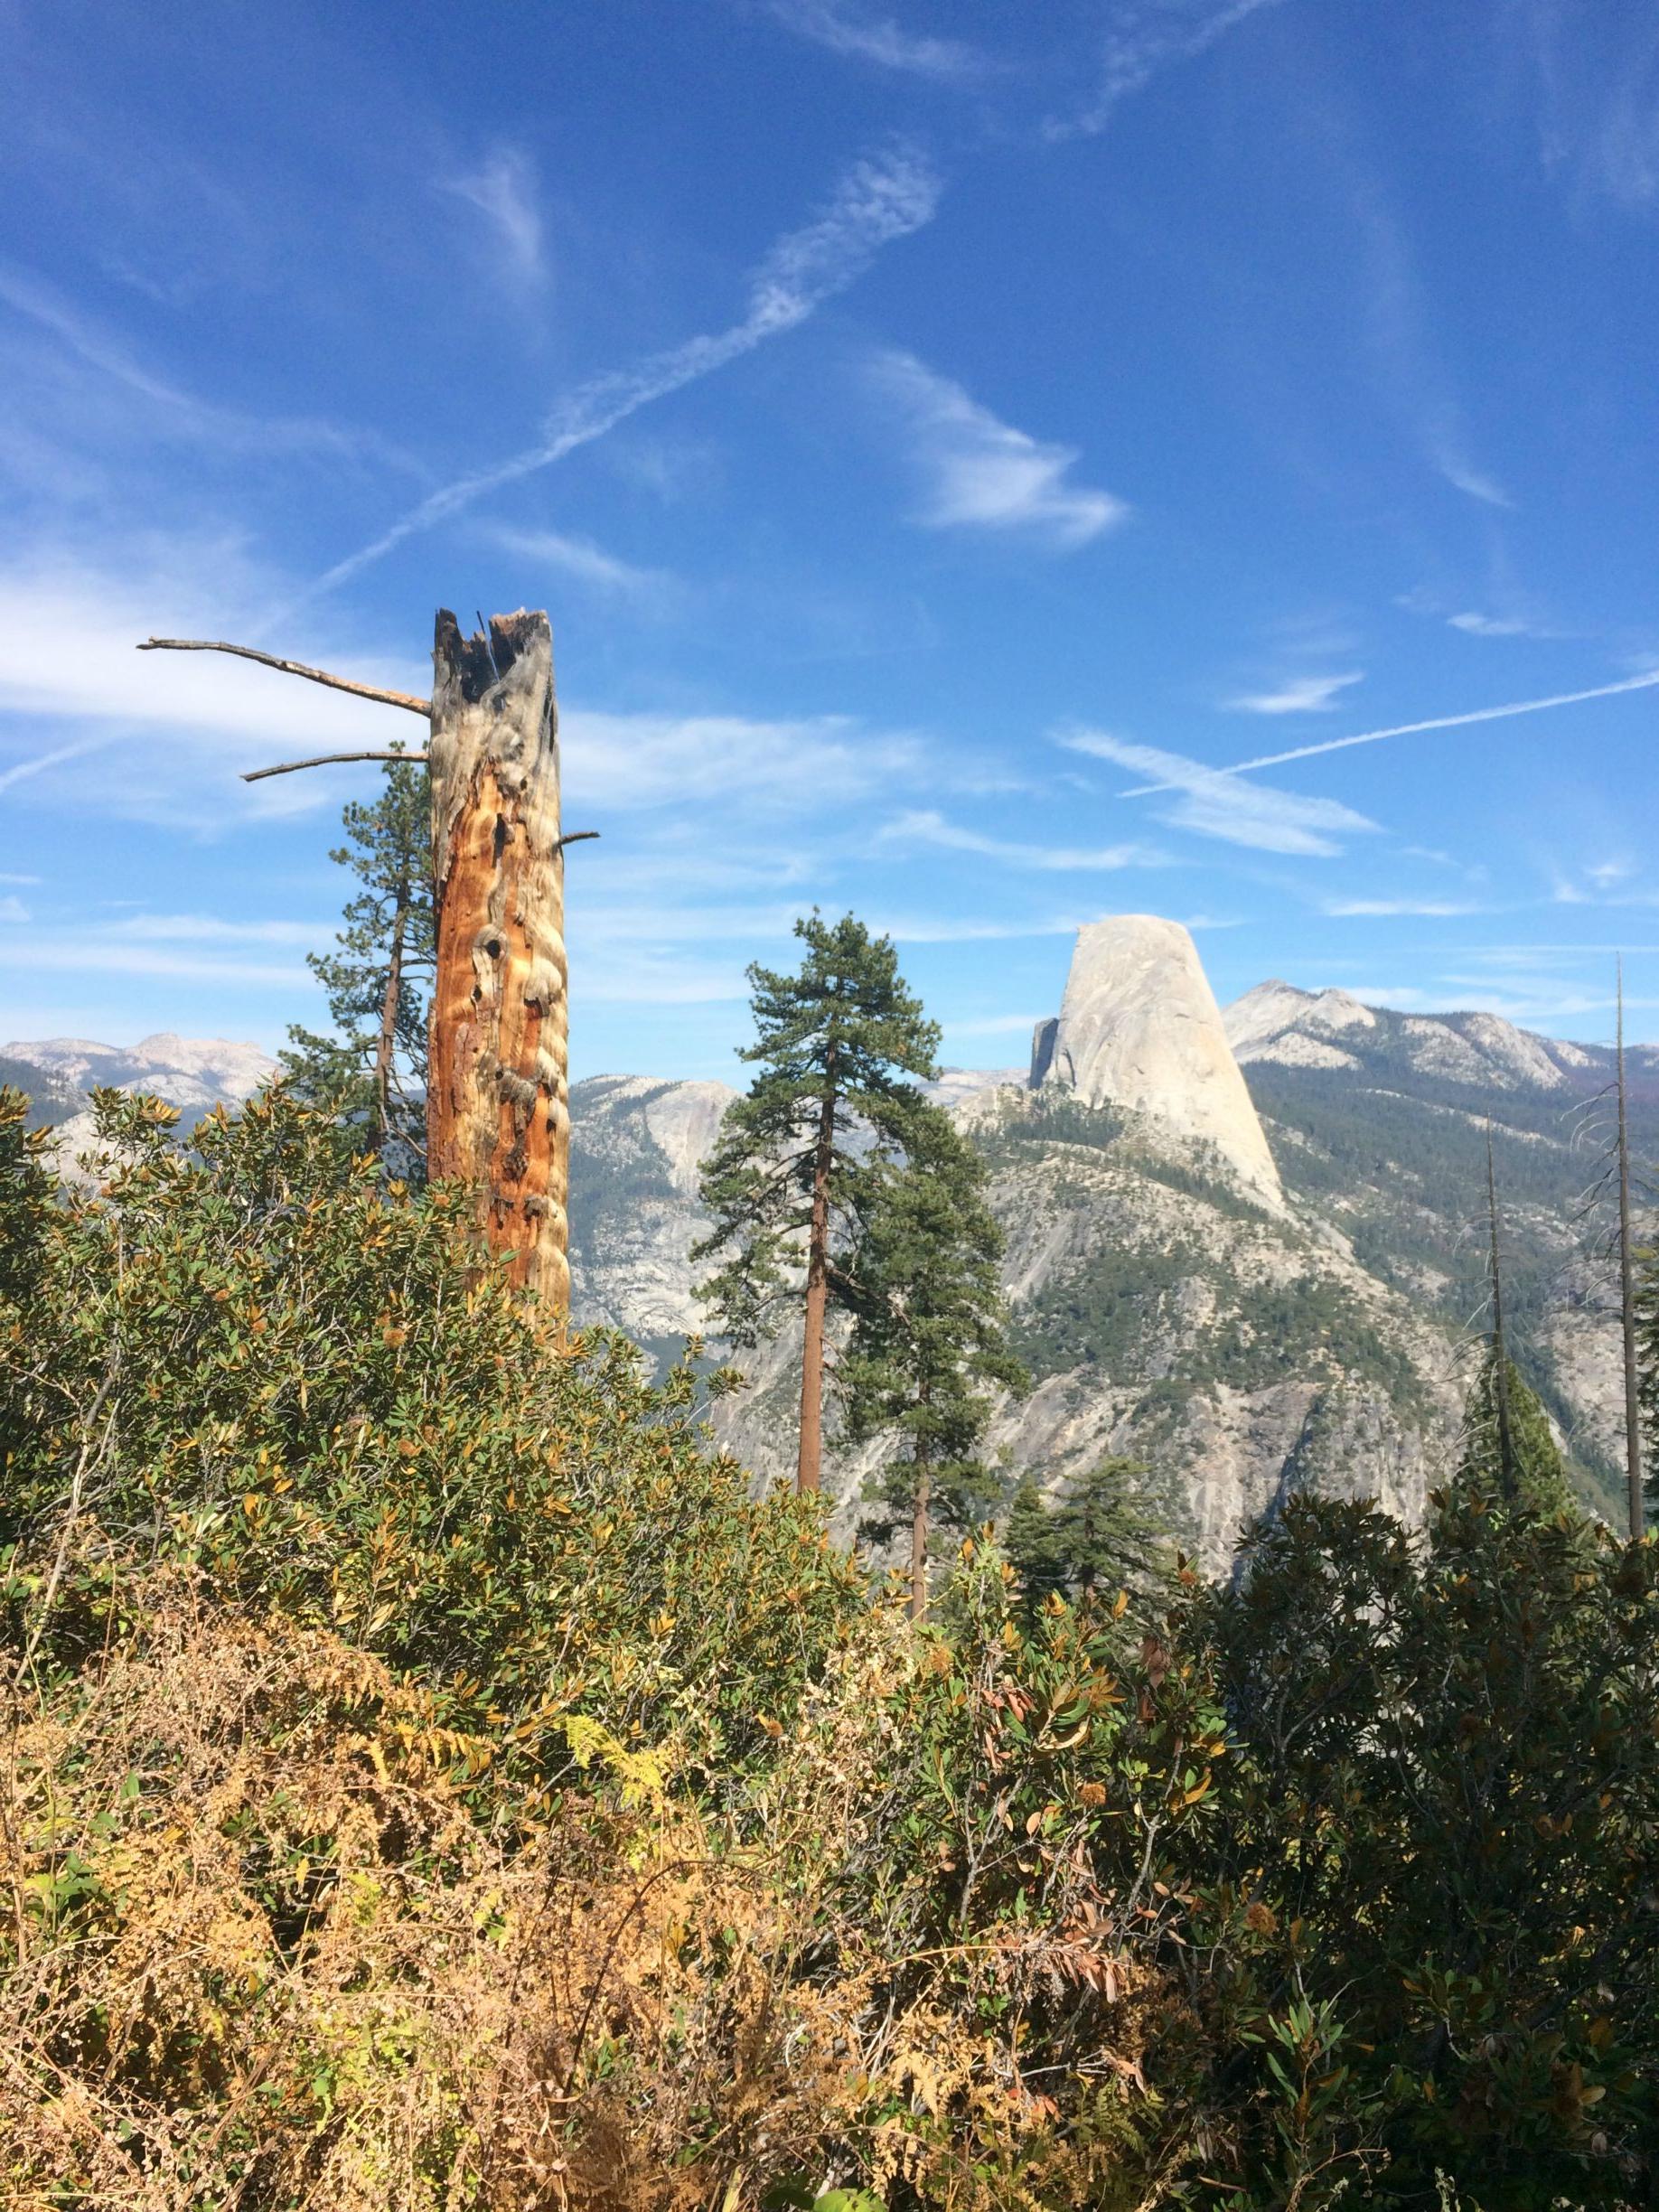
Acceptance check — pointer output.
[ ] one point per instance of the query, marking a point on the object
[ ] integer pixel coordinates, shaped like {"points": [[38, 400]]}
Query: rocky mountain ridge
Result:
{"points": [[1240, 1336]]}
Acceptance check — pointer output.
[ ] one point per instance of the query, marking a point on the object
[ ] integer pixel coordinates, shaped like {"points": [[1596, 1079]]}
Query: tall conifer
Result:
{"points": [[1508, 1447], [371, 1072], [929, 1335], [797, 1160], [1101, 1531]]}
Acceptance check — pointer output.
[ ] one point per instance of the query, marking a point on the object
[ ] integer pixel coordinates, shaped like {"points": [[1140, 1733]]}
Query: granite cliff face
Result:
{"points": [[1138, 1026], [1241, 1337]]}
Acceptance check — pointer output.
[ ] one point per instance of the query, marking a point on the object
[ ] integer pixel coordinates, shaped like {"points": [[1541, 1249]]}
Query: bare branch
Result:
{"points": [[323, 760], [575, 836], [294, 668]]}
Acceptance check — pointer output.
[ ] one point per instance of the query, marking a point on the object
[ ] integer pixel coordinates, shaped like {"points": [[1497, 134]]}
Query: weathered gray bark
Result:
{"points": [[498, 1114]]}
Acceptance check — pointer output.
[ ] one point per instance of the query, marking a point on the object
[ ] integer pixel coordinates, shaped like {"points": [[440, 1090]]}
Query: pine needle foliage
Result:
{"points": [[839, 1047], [371, 1072], [929, 1340], [1101, 1532], [1539, 1474]]}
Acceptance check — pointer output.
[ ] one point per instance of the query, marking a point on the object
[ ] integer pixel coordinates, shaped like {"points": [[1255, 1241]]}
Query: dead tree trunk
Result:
{"points": [[498, 1114]]}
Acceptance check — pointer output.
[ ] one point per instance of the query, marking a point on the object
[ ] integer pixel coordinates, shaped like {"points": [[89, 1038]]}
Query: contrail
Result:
{"points": [[1409, 729], [879, 199]]}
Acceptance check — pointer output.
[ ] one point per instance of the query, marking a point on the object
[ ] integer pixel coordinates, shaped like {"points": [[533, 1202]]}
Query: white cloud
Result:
{"points": [[100, 956], [12, 908], [880, 39], [1644, 681], [1145, 39], [168, 410], [1217, 802], [1436, 909], [504, 190], [880, 199], [982, 473], [927, 828], [738, 766], [1491, 625], [578, 558], [172, 732], [1455, 466], [213, 929], [1298, 694]]}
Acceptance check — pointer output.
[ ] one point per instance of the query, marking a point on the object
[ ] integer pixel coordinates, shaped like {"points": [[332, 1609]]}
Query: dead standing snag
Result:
{"points": [[497, 1101], [498, 1115]]}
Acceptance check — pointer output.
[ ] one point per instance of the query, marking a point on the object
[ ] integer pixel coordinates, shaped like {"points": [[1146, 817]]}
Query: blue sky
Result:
{"points": [[949, 441]]}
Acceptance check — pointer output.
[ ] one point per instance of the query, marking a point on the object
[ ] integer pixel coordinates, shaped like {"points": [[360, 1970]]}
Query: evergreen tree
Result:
{"points": [[371, 1072], [1103, 1530], [929, 1333], [799, 1157], [1535, 1477]]}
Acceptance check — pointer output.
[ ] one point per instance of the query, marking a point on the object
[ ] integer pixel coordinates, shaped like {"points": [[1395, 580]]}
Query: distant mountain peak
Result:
{"points": [[1138, 1026]]}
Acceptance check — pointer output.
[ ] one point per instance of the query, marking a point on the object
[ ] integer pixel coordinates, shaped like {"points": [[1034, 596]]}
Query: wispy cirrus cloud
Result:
{"points": [[169, 410], [1217, 802], [1473, 625], [878, 39], [1308, 694], [1142, 40], [926, 827], [1377, 909], [504, 191], [979, 472], [580, 558], [1644, 681], [882, 198]]}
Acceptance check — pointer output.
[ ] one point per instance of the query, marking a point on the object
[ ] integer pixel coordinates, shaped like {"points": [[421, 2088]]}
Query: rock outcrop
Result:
{"points": [[1138, 1026]]}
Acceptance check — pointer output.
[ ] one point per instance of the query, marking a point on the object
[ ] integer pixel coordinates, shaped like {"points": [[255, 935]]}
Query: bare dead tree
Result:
{"points": [[497, 1095]]}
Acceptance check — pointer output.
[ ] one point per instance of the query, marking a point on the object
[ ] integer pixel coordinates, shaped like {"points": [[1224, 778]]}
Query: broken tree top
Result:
{"points": [[497, 1093]]}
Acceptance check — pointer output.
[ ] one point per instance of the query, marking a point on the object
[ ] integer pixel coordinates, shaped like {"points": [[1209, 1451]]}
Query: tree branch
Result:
{"points": [[294, 668], [322, 760]]}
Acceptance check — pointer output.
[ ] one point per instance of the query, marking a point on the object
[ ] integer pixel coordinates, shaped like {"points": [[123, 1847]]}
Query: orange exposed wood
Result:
{"points": [[498, 1113]]}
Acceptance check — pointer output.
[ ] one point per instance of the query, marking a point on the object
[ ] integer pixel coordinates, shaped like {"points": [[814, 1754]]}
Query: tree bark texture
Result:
{"points": [[809, 1463], [498, 1115], [918, 1535]]}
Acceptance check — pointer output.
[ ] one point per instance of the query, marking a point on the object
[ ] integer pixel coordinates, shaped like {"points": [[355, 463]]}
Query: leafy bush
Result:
{"points": [[259, 1362], [433, 1780]]}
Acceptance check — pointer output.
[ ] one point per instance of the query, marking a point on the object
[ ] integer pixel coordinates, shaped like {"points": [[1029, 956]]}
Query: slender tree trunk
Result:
{"points": [[1627, 1297], [498, 1117], [918, 1532], [386, 1044], [1500, 1361], [809, 1465]]}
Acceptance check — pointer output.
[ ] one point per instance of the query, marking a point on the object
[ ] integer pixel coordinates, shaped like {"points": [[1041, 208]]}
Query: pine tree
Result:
{"points": [[371, 1072], [1102, 1531], [929, 1335], [1500, 1406], [1028, 1538], [797, 1158]]}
